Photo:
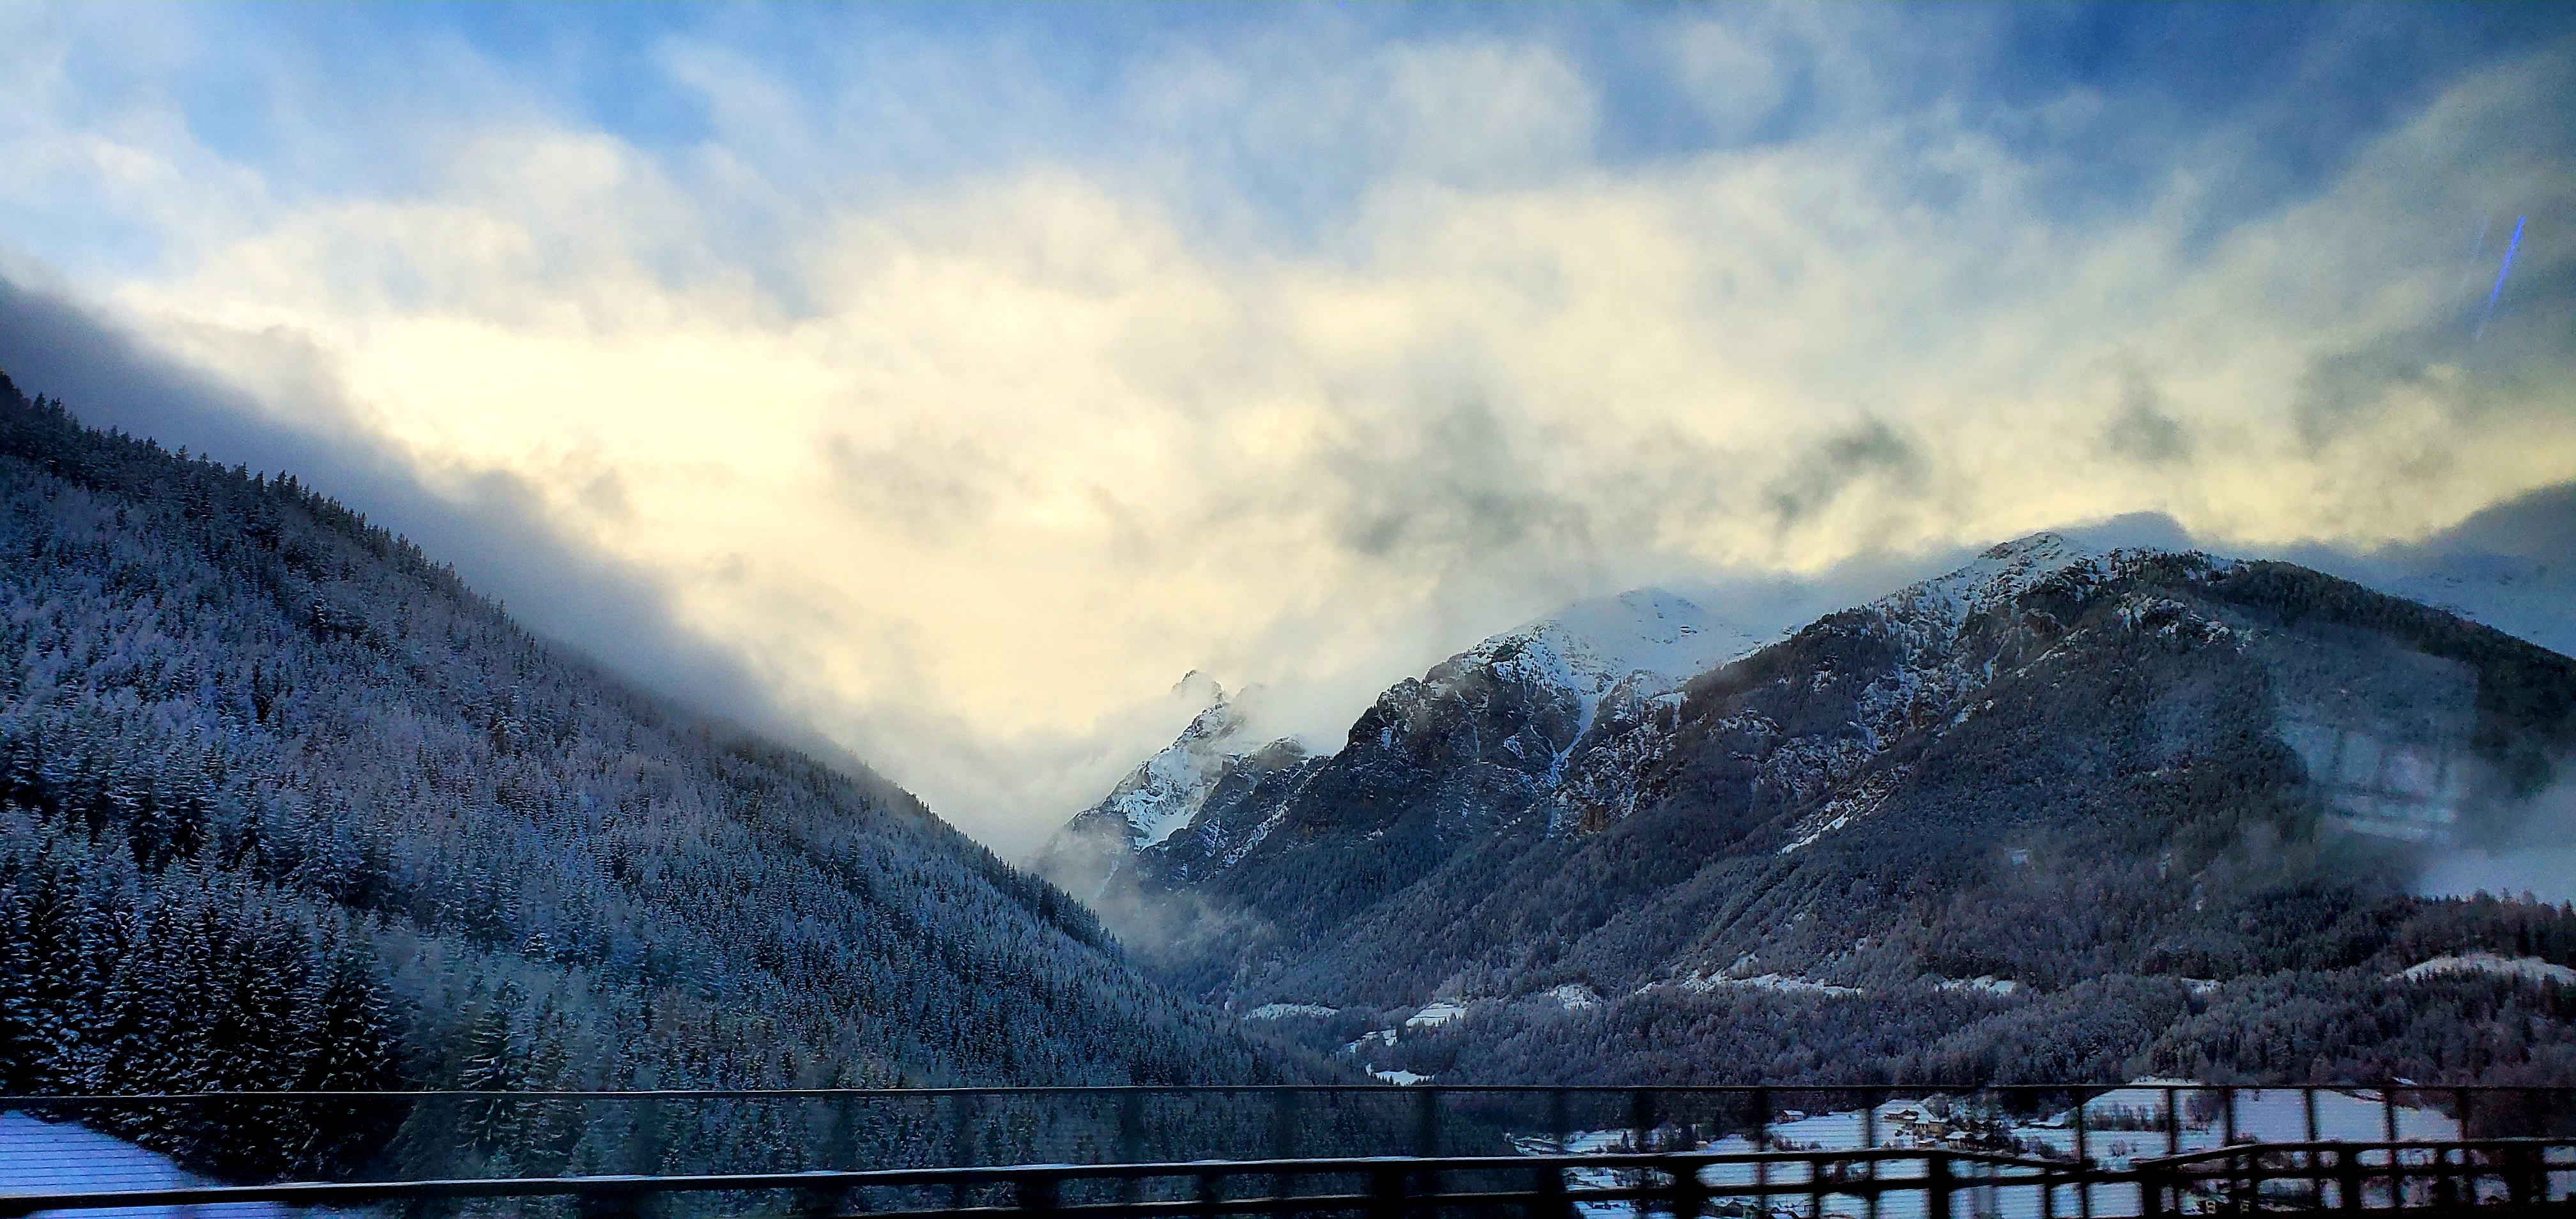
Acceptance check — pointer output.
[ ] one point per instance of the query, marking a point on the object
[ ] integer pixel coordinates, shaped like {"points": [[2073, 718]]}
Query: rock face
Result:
{"points": [[1519, 725], [1166, 793], [2102, 790]]}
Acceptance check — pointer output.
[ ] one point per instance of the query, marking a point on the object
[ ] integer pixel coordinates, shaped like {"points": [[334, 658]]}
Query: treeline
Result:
{"points": [[186, 978]]}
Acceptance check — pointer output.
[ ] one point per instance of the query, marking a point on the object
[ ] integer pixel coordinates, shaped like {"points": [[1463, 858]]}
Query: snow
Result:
{"points": [[1930, 677], [1282, 1011], [1698, 984], [1650, 638], [1988, 983], [2269, 1115], [1401, 1079], [1574, 995], [2530, 969], [2000, 574], [37, 1156], [1164, 793], [1435, 1014], [1370, 1038], [1645, 630]]}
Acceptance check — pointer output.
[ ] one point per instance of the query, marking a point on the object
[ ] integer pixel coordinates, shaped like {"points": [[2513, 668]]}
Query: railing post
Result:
{"points": [[1869, 1142], [2083, 1162], [2522, 1171], [1426, 1134], [1037, 1193], [2347, 1177], [1283, 1123], [1284, 1105], [1690, 1194], [1131, 1139], [1936, 1185], [2151, 1193], [1386, 1191], [961, 1142], [1210, 1185], [2173, 1121], [1131, 1127], [1553, 1200]]}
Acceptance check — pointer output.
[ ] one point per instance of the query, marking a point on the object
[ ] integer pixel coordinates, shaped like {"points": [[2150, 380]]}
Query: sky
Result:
{"points": [[942, 384]]}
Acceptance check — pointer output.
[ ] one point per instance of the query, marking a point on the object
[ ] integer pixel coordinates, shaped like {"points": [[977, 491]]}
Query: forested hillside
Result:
{"points": [[283, 804], [2056, 815]]}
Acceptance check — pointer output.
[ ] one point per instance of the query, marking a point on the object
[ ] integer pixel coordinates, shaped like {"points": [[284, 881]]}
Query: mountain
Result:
{"points": [[2057, 814], [2507, 566], [1160, 797], [284, 804], [1523, 720]]}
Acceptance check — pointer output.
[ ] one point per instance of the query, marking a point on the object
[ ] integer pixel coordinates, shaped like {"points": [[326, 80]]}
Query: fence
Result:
{"points": [[2041, 1151]]}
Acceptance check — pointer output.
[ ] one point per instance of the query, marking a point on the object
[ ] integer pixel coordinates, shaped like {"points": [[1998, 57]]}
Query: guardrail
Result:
{"points": [[2436, 1177], [1675, 1183], [2336, 1176], [2038, 1151]]}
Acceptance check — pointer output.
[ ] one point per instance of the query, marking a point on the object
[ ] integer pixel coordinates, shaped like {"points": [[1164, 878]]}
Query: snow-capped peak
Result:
{"points": [[2000, 574], [1593, 645], [1165, 791]]}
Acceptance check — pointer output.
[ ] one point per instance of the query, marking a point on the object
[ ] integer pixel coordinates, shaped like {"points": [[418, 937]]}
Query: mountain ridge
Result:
{"points": [[1861, 809]]}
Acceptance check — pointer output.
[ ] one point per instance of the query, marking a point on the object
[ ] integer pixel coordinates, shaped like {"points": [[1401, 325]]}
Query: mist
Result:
{"points": [[2534, 860]]}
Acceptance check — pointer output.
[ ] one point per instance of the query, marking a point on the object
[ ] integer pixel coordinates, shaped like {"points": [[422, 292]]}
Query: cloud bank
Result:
{"points": [[953, 391]]}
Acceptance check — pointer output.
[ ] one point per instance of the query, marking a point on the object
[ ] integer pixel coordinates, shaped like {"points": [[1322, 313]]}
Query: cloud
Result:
{"points": [[2142, 431], [1870, 451], [491, 524], [957, 391]]}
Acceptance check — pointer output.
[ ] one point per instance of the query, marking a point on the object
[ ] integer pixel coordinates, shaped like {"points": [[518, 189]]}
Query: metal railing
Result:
{"points": [[1887, 1153], [2522, 1173]]}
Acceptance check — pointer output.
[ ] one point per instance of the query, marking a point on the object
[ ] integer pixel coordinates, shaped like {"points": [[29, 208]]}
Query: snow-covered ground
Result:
{"points": [[2269, 1115], [1574, 995], [1434, 1014], [40, 1157], [1700, 984], [1988, 983], [2529, 969], [1283, 1011]]}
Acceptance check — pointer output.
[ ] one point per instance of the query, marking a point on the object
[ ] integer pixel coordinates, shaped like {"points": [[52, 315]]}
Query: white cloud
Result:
{"points": [[972, 471]]}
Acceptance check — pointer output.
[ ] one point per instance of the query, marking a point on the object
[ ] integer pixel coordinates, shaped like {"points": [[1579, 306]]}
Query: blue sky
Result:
{"points": [[966, 374]]}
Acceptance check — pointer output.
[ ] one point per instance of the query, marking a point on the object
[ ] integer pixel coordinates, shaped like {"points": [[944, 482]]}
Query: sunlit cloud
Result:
{"points": [[1330, 348]]}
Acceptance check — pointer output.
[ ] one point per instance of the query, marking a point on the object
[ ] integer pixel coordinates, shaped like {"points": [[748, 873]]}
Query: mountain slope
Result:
{"points": [[231, 710], [1476, 743], [2057, 812]]}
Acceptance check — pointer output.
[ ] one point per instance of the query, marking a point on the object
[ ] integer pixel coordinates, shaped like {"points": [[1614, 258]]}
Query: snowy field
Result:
{"points": [[2271, 1116], [39, 1157]]}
